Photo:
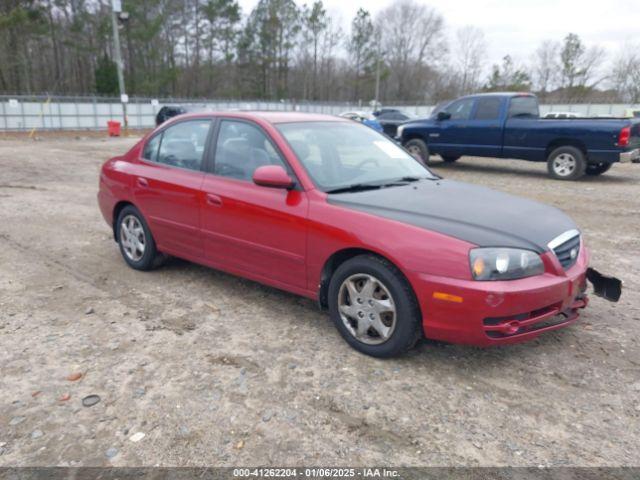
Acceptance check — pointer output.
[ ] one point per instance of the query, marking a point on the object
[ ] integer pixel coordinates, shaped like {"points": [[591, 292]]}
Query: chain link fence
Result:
{"points": [[26, 112]]}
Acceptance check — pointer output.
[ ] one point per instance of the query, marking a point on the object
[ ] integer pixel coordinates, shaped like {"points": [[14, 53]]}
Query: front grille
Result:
{"points": [[566, 248]]}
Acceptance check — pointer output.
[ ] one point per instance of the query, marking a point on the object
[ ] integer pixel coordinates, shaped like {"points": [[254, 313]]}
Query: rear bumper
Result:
{"points": [[494, 313], [106, 203], [630, 156]]}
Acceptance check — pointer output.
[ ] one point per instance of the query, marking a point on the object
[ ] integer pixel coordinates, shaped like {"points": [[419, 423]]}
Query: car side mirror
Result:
{"points": [[273, 176], [443, 116]]}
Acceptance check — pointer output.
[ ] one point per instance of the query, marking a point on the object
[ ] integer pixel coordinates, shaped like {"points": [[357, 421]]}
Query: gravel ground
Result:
{"points": [[195, 367]]}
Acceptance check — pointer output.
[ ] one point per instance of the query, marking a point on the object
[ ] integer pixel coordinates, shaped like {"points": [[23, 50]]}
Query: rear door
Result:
{"points": [[250, 229], [525, 135], [484, 128], [167, 185]]}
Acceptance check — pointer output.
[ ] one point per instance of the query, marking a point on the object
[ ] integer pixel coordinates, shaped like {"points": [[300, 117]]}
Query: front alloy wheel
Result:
{"points": [[418, 149], [367, 309], [374, 307]]}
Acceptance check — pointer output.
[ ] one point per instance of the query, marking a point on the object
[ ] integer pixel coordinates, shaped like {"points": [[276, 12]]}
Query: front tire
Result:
{"points": [[566, 163], [419, 149], [597, 168], [137, 246], [373, 307]]}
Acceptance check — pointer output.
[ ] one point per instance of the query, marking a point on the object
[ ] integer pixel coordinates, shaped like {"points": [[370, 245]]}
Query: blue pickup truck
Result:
{"points": [[508, 125]]}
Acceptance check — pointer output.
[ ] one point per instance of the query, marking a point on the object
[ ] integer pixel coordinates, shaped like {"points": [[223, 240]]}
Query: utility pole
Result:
{"points": [[116, 8]]}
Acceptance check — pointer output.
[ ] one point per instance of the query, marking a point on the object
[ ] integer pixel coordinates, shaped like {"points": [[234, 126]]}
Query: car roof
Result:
{"points": [[271, 116]]}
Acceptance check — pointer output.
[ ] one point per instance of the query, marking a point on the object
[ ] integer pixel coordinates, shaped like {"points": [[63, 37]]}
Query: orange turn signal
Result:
{"points": [[447, 297]]}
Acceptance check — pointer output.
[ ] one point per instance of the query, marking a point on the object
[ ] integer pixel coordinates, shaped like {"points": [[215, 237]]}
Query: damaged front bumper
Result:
{"points": [[493, 313], [609, 288]]}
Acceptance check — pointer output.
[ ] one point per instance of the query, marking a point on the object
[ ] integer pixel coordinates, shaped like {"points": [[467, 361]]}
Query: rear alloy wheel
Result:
{"points": [[373, 307], [566, 163], [418, 149], [449, 159], [136, 243], [132, 238], [597, 168]]}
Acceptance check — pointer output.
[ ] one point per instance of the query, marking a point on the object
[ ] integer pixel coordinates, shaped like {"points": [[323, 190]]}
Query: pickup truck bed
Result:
{"points": [[507, 125]]}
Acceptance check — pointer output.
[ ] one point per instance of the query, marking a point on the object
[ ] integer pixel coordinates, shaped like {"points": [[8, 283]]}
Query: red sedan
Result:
{"points": [[332, 210]]}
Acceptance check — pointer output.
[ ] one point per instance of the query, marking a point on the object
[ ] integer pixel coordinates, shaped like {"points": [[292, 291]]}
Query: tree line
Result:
{"points": [[283, 50]]}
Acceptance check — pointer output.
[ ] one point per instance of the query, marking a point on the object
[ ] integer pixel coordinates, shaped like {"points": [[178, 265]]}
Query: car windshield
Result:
{"points": [[339, 155]]}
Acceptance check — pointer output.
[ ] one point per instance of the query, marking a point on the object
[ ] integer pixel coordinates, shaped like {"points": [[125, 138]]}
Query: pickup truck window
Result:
{"points": [[460, 110], [487, 109], [524, 107]]}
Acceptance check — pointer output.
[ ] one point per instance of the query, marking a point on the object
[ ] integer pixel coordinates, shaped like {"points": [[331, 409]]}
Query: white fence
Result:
{"points": [[92, 113]]}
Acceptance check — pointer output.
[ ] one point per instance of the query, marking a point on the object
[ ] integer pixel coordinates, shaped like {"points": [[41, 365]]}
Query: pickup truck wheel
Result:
{"points": [[448, 159], [566, 163], [419, 149], [597, 168]]}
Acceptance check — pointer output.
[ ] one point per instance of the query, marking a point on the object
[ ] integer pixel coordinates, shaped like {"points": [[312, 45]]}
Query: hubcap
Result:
{"points": [[132, 237], [564, 164], [367, 309], [415, 151]]}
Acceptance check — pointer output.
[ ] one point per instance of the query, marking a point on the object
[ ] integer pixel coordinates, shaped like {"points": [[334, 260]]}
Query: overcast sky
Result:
{"points": [[516, 27]]}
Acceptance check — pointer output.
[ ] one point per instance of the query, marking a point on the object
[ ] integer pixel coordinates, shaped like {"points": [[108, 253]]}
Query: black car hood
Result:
{"points": [[478, 215]]}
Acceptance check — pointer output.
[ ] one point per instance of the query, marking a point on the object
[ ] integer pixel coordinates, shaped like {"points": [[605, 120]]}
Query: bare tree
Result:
{"points": [[331, 38], [626, 74], [579, 64], [470, 54], [546, 68], [412, 38]]}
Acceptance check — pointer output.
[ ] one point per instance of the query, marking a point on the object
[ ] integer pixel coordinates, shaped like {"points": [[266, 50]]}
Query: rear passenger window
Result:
{"points": [[150, 151], [241, 148], [487, 109], [523, 107], [183, 144]]}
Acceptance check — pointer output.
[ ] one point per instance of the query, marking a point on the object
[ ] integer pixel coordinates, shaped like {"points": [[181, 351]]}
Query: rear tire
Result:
{"points": [[137, 246], [374, 307], [419, 149], [449, 159], [597, 168], [566, 163]]}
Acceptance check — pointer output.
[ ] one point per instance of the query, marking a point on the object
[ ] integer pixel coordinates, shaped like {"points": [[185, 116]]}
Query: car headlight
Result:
{"points": [[400, 130], [504, 263]]}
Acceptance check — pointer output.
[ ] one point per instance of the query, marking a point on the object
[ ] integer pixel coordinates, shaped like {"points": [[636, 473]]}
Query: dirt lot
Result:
{"points": [[216, 370]]}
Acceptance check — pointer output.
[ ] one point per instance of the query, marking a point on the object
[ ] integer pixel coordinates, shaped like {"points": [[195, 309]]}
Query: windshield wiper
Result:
{"points": [[355, 187], [411, 178], [358, 187]]}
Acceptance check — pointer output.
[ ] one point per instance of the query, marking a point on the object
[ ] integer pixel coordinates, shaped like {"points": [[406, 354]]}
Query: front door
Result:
{"points": [[247, 228], [167, 185], [451, 139]]}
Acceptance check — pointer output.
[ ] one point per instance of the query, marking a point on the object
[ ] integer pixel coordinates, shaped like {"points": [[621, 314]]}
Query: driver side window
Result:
{"points": [[182, 145], [241, 148], [460, 110]]}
